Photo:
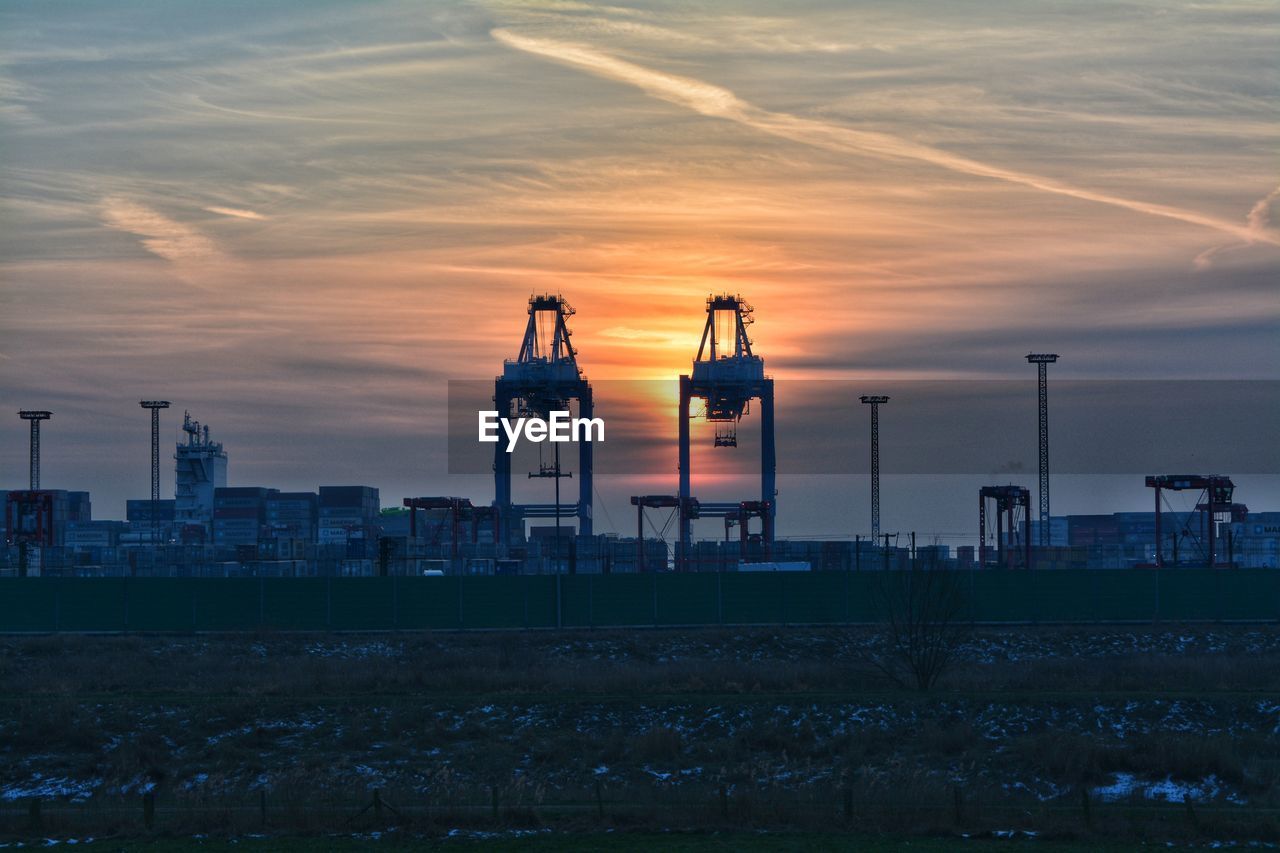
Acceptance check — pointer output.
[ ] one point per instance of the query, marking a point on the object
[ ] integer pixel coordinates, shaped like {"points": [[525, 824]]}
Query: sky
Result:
{"points": [[300, 221]]}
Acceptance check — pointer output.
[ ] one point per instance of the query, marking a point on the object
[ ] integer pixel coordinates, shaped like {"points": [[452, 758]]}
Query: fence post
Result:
{"points": [[1221, 580], [1155, 617], [970, 603], [559, 624], [724, 800], [599, 800], [848, 803], [33, 813], [1095, 596], [846, 598], [958, 805], [493, 793], [149, 809], [782, 578], [1084, 808], [262, 806], [720, 597], [653, 579]]}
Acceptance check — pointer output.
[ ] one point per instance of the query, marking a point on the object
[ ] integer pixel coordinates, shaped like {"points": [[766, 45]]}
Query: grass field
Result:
{"points": [[624, 842], [752, 738]]}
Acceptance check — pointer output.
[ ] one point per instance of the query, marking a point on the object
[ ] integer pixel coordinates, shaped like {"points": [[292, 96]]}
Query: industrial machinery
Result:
{"points": [[544, 377], [727, 375], [1215, 503], [741, 517], [734, 514], [457, 513], [29, 524], [643, 502], [1012, 512]]}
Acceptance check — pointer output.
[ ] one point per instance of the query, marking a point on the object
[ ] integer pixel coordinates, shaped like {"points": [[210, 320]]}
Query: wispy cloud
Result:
{"points": [[718, 102], [431, 177], [161, 236], [237, 212], [1258, 221], [1260, 214]]}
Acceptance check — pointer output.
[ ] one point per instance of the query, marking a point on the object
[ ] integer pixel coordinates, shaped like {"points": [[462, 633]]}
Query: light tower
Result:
{"points": [[35, 417], [1042, 361], [875, 401], [155, 406]]}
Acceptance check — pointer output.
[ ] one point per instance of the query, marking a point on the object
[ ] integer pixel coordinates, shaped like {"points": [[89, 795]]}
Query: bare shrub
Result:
{"points": [[923, 610]]}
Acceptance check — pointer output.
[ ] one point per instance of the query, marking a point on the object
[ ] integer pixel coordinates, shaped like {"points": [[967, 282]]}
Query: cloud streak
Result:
{"points": [[161, 236], [1259, 220], [717, 102], [237, 212]]}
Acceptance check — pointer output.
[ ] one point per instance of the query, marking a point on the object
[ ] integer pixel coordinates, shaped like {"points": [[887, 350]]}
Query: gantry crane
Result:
{"points": [[544, 377], [1217, 492], [1010, 503], [727, 375]]}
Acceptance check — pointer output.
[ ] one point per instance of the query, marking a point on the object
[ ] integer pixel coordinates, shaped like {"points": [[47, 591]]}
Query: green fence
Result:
{"points": [[48, 605]]}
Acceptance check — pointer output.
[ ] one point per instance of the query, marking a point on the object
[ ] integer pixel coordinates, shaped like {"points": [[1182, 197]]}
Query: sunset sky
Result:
{"points": [[300, 220]]}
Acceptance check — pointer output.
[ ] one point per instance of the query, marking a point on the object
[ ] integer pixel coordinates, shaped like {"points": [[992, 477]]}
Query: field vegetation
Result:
{"points": [[1073, 735]]}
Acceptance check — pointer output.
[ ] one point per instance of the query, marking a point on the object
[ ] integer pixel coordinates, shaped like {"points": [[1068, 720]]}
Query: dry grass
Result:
{"points": [[640, 729]]}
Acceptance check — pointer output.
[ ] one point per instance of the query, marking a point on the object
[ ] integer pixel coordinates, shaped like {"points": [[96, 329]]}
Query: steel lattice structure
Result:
{"points": [[1042, 362], [727, 376], [35, 417], [1008, 501], [875, 401], [545, 377], [155, 406]]}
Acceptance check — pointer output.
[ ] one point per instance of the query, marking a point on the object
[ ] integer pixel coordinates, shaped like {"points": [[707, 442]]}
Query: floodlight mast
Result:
{"points": [[35, 417], [1042, 361], [155, 406], [875, 401]]}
